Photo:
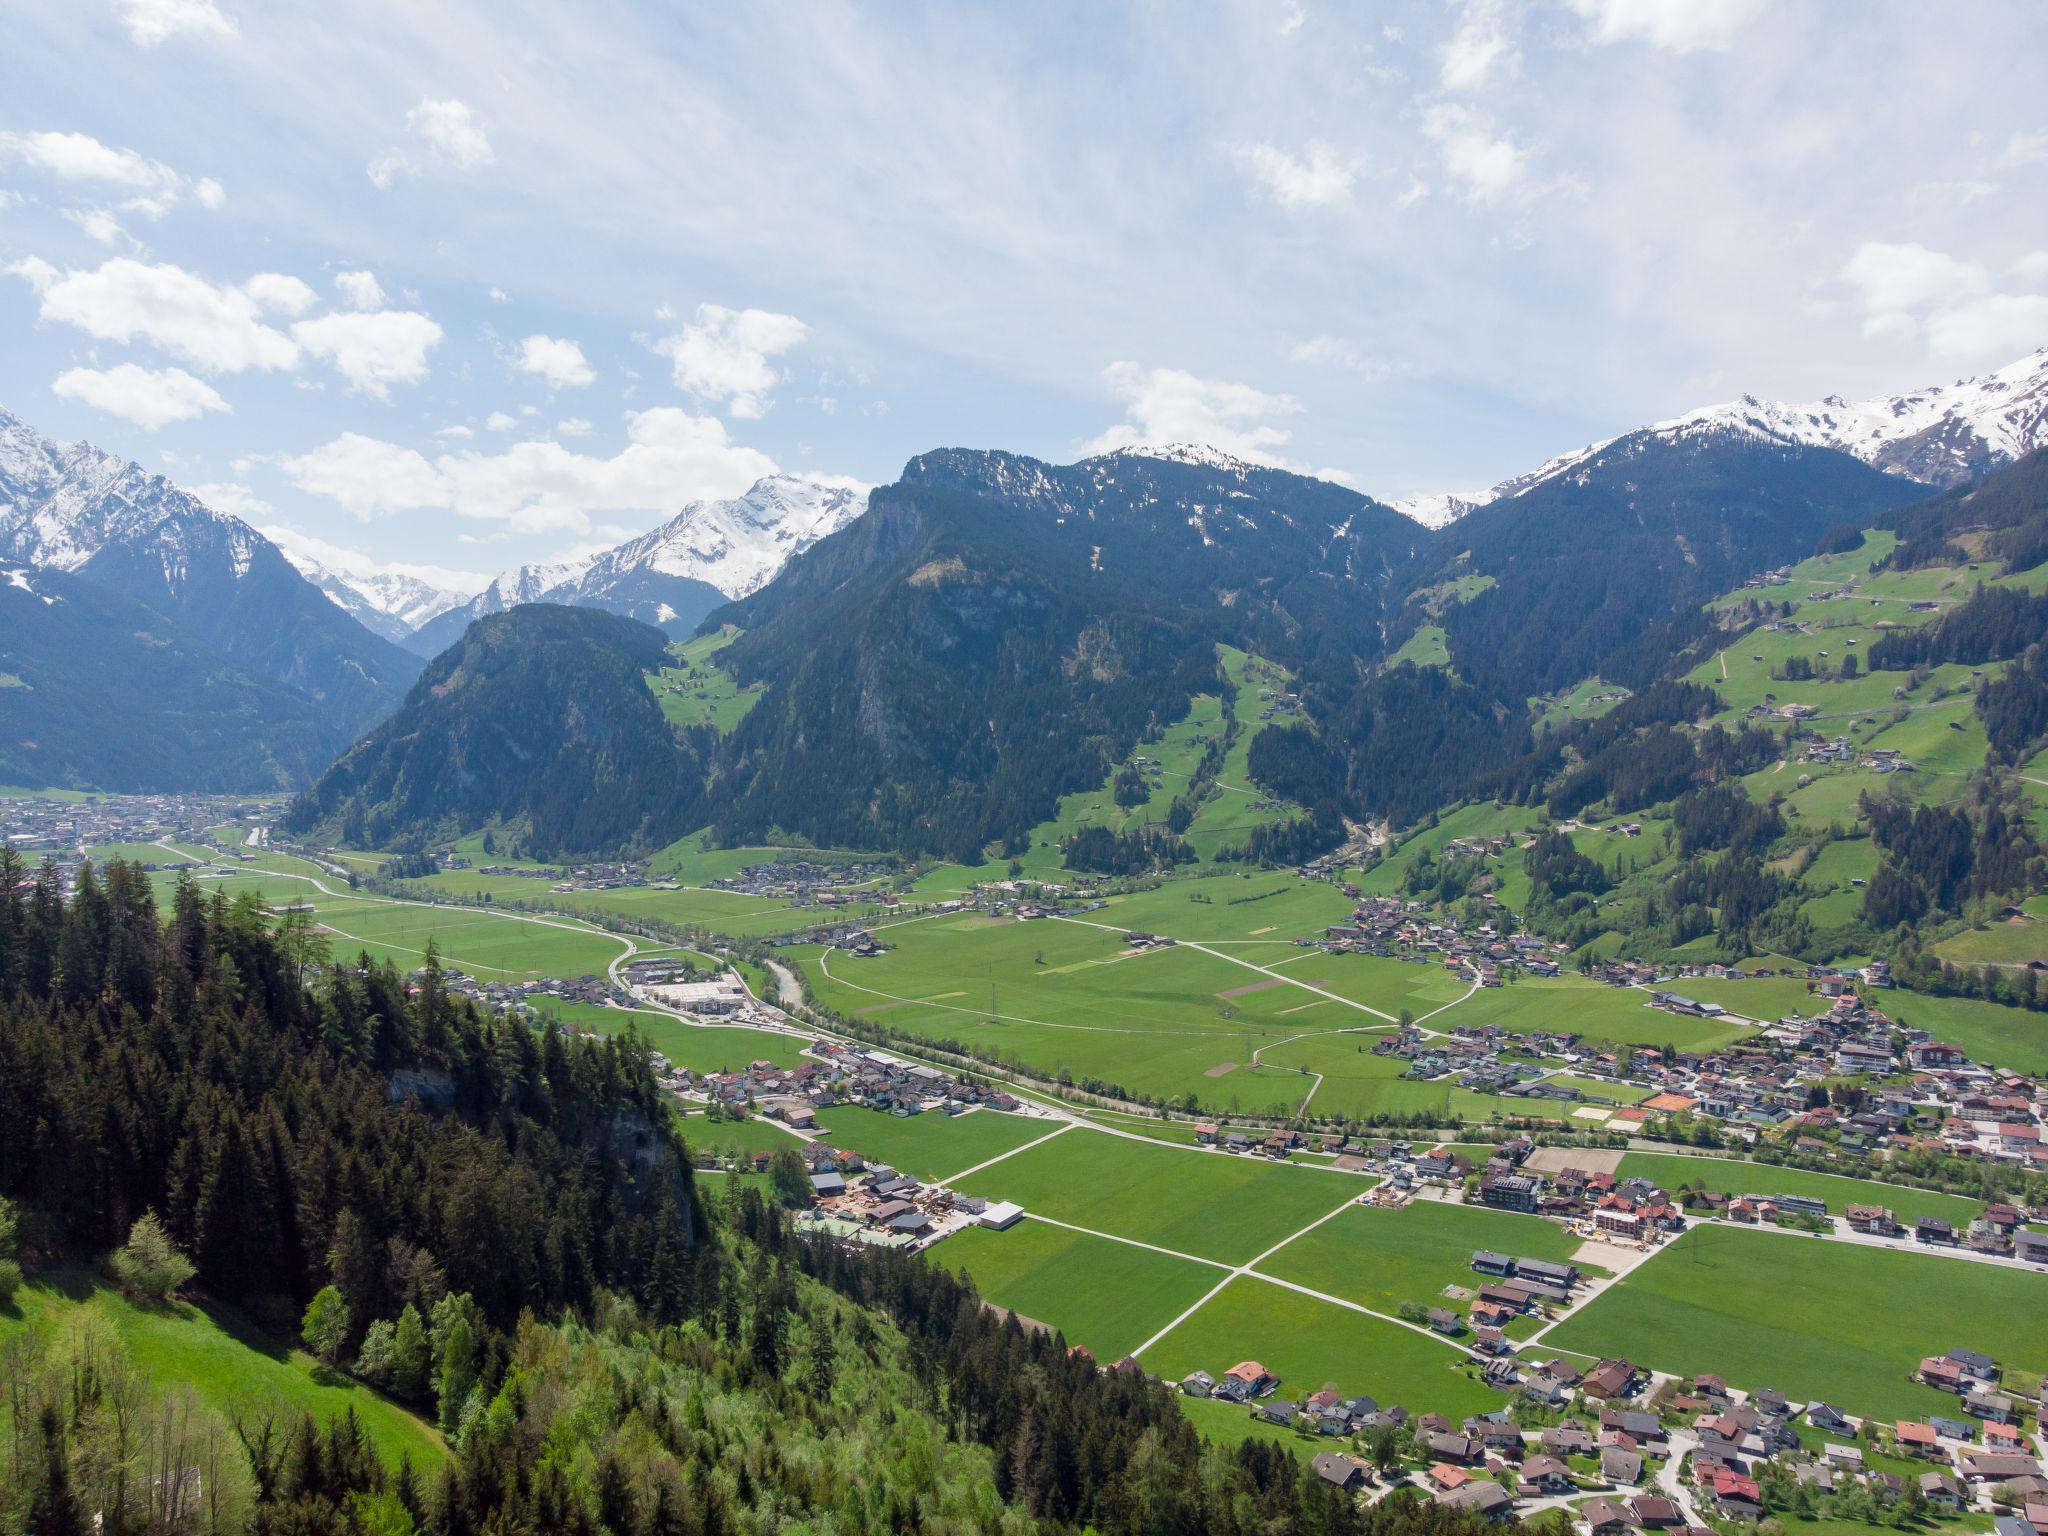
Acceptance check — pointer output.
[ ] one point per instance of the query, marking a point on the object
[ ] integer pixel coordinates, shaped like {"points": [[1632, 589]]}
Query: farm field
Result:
{"points": [[699, 1047], [1067, 997], [1309, 1343], [754, 1134], [1765, 998], [1108, 1297], [1733, 1176], [1271, 907], [1208, 1204], [486, 945], [727, 912], [216, 1353], [1802, 1314], [2002, 941], [1616, 1015], [1381, 1258], [931, 1146], [1358, 1083]]}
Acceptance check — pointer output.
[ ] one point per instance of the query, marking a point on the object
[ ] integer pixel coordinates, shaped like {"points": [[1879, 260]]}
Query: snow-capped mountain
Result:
{"points": [[1940, 435], [74, 508], [708, 553], [388, 598]]}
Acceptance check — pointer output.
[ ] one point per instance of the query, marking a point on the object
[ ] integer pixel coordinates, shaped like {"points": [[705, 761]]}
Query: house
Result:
{"points": [[1975, 1365], [1490, 1263], [1607, 1517], [1916, 1439], [1654, 1512], [1941, 1372], [1941, 1491], [1566, 1440], [1994, 1406], [1444, 1321], [1346, 1472], [1198, 1384], [1997, 1466], [1825, 1416], [1488, 1500], [1610, 1378], [1452, 1447], [1733, 1493], [1276, 1411], [1620, 1466], [1545, 1475]]}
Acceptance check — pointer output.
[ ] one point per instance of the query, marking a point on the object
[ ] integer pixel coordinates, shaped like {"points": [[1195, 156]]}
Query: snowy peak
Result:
{"points": [[1940, 435], [390, 599], [739, 544]]}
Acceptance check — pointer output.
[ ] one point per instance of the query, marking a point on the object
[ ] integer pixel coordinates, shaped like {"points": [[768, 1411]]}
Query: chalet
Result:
{"points": [[1621, 1466], [1545, 1476], [1827, 1417], [1490, 1263], [1566, 1440], [1606, 1517], [1916, 1439], [1198, 1384], [1488, 1500], [1346, 1472], [1733, 1493], [1244, 1381], [1941, 1373], [1653, 1512], [1975, 1365], [1610, 1378], [1941, 1491], [1997, 1466], [1932, 1229], [1451, 1447]]}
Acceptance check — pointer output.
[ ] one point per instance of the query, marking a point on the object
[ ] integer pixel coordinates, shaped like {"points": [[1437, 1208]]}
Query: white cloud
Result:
{"points": [[280, 292], [557, 359], [1988, 329], [724, 355], [1485, 165], [368, 477], [498, 421], [152, 187], [498, 295], [98, 225], [671, 457], [440, 136], [1892, 279], [1337, 352], [150, 22], [1677, 26], [572, 426], [1480, 49], [454, 429], [149, 398], [2027, 148], [372, 350], [235, 500], [1416, 191], [1318, 178], [1906, 290], [361, 289], [1291, 17], [216, 328], [1165, 406]]}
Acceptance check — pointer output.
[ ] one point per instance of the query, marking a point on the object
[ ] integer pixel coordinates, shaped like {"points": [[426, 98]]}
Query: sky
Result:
{"points": [[458, 286]]}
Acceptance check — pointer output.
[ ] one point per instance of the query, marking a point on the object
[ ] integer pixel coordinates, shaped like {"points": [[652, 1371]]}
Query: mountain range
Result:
{"points": [[1940, 435], [708, 553]]}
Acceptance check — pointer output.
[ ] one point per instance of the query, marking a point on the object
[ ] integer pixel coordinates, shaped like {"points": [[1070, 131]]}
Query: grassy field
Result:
{"points": [[1766, 998], [1109, 1297], [695, 690], [1735, 1177], [1427, 647], [1380, 1258], [1812, 1318], [727, 912], [488, 946], [1596, 1011], [1310, 1344], [2015, 941], [2016, 1038], [222, 1358], [1227, 1209], [931, 1146], [699, 1047]]}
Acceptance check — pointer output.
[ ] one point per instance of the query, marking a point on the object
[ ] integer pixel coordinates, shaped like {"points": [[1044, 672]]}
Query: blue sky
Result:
{"points": [[464, 285]]}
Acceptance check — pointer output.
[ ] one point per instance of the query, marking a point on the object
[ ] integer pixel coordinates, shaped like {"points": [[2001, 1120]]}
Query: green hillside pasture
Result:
{"points": [[1228, 816], [697, 691], [1381, 1258], [1813, 1318], [1056, 996], [754, 1134], [1427, 647], [2002, 941], [1309, 1343], [2016, 1038], [1733, 1176], [1208, 1204], [1481, 819], [931, 1146], [1576, 703], [1615, 1015], [216, 1353], [1107, 1297], [1840, 863], [1820, 571]]}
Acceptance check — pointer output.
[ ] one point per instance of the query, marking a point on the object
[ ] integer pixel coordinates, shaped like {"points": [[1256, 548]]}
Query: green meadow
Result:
{"points": [[1811, 1317], [1208, 1204], [1382, 1258], [1310, 1344], [221, 1357], [1106, 1296], [931, 1146]]}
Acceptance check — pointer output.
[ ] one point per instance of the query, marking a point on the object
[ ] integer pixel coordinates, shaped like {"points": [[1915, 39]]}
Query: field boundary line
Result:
{"points": [[1130, 1242], [1218, 954], [1000, 1156]]}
